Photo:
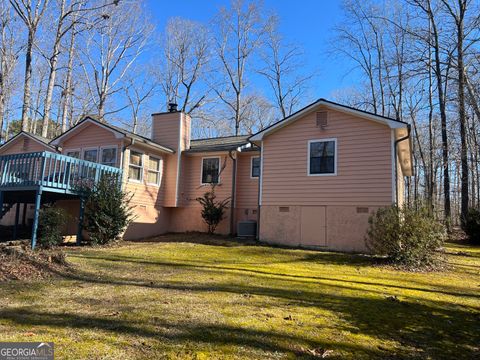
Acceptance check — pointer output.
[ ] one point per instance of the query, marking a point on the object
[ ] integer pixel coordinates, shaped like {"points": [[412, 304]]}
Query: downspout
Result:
{"points": [[409, 129], [122, 160], [233, 196]]}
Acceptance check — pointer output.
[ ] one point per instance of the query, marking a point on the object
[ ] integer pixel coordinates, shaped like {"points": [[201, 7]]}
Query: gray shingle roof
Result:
{"points": [[218, 144]]}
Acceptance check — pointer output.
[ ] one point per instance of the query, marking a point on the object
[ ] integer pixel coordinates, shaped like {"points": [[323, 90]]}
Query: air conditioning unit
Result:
{"points": [[247, 228]]}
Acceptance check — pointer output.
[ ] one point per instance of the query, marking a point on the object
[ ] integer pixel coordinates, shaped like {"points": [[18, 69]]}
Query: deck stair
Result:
{"points": [[5, 209]]}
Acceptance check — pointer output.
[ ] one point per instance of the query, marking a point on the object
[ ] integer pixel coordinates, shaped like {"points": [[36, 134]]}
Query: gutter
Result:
{"points": [[409, 129], [233, 196]]}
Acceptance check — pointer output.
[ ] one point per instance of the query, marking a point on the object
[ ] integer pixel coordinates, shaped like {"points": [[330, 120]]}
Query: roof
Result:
{"points": [[37, 138], [392, 123], [119, 132], [225, 143]]}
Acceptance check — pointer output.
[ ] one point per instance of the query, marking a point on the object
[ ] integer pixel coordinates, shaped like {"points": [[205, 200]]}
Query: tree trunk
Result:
{"points": [[28, 80]]}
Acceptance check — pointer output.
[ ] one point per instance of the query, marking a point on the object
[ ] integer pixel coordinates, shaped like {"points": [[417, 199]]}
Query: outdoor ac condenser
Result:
{"points": [[247, 228]]}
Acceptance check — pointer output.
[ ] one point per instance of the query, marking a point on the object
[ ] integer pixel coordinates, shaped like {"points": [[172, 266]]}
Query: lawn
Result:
{"points": [[190, 299]]}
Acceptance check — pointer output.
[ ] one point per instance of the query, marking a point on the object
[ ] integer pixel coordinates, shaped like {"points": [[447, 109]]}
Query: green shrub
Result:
{"points": [[408, 237], [472, 225], [107, 210], [213, 211], [51, 222]]}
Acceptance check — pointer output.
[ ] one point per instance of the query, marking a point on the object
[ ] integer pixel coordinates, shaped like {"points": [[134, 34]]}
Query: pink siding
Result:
{"points": [[191, 186], [92, 136], [364, 173], [165, 129], [247, 188], [24, 144], [172, 130]]}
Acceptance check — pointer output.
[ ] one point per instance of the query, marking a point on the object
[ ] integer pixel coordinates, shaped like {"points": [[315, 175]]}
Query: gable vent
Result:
{"points": [[26, 143], [322, 120]]}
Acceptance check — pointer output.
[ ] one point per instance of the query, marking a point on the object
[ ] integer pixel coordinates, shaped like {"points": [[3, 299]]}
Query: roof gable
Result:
{"points": [[38, 139], [119, 133], [392, 123]]}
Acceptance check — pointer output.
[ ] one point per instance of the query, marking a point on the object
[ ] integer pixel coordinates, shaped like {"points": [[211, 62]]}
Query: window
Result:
{"points": [[90, 155], [73, 153], [109, 156], [322, 157], [255, 173], [153, 171], [135, 166], [210, 170]]}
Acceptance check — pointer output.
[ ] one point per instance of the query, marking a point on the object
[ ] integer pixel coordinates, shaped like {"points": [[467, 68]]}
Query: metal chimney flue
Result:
{"points": [[172, 107]]}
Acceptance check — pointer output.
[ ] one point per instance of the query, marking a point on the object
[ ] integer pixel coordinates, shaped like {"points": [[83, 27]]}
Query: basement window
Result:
{"points": [[322, 157], [210, 170]]}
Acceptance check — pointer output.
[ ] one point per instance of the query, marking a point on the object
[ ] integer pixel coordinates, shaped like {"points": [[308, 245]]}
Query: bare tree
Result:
{"points": [[8, 61], [240, 31], [137, 93], [282, 69], [30, 12], [186, 56], [110, 49]]}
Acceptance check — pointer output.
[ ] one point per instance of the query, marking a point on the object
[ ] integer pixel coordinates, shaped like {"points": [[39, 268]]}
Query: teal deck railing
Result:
{"points": [[49, 171]]}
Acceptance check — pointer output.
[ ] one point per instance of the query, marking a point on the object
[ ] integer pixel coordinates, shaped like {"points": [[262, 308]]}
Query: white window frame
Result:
{"points": [[109, 147], [251, 167], [335, 156], [142, 167], [219, 169], [80, 153], [159, 171], [87, 149]]}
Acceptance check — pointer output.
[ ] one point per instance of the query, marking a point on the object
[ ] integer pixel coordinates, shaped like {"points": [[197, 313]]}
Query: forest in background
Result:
{"points": [[418, 62]]}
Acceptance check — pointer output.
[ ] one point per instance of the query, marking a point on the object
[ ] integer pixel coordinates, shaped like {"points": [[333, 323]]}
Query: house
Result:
{"points": [[308, 180]]}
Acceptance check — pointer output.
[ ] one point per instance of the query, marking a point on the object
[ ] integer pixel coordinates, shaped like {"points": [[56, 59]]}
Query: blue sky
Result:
{"points": [[307, 22]]}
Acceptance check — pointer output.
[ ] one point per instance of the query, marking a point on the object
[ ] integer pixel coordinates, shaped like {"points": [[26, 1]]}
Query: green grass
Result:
{"points": [[219, 299]]}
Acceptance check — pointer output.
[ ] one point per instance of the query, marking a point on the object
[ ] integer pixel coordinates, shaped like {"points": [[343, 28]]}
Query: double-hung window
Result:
{"points": [[108, 156], [90, 155], [153, 170], [135, 166], [255, 171], [210, 170], [322, 157], [73, 153]]}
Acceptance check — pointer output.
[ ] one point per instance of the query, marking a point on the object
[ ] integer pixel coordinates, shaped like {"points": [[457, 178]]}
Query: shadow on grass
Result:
{"points": [[420, 329], [221, 269], [180, 332]]}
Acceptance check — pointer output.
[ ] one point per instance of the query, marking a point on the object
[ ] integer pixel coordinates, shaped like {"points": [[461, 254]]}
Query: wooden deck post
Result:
{"points": [[80, 221], [17, 215], [38, 200]]}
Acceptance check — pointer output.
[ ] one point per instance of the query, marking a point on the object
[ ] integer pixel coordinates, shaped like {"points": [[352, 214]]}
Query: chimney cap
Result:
{"points": [[172, 107]]}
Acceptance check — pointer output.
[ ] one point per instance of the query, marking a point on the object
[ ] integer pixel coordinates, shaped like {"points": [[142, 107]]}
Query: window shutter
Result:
{"points": [[322, 119]]}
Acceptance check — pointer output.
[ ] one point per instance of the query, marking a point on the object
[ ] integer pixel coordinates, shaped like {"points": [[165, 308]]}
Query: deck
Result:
{"points": [[25, 177]]}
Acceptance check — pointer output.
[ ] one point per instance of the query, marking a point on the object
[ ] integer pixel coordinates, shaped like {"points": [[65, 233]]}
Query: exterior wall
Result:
{"points": [[92, 136], [9, 218], [23, 144], [364, 173], [172, 130], [343, 202], [344, 227], [246, 203], [151, 218], [188, 216]]}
